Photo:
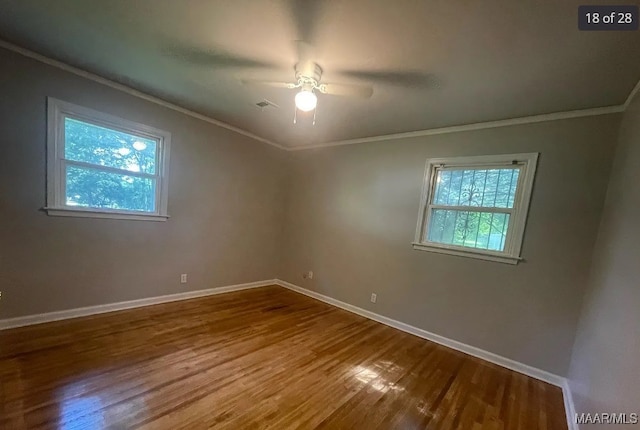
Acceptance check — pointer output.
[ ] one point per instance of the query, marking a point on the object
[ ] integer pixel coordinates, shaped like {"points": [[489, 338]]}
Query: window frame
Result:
{"points": [[518, 214], [57, 112]]}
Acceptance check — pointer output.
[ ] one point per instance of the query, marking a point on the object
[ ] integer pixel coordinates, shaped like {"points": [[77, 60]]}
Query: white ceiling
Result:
{"points": [[432, 63]]}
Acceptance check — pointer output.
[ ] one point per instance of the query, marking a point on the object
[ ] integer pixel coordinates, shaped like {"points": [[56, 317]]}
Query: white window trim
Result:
{"points": [[57, 111], [515, 234]]}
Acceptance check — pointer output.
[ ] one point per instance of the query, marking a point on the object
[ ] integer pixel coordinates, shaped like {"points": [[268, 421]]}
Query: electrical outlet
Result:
{"points": [[374, 297], [307, 275], [183, 278]]}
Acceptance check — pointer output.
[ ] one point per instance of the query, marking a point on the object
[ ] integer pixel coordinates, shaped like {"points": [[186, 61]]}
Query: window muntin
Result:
{"points": [[476, 206], [103, 166]]}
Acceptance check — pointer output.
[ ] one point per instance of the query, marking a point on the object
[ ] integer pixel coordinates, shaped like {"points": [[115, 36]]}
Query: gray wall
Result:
{"points": [[347, 213], [605, 368], [351, 217], [225, 202]]}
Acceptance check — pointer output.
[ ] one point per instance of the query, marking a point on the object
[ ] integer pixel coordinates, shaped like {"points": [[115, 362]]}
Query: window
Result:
{"points": [[476, 206], [104, 167]]}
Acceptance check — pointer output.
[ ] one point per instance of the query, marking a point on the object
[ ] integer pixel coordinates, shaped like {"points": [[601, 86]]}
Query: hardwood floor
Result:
{"points": [[261, 358]]}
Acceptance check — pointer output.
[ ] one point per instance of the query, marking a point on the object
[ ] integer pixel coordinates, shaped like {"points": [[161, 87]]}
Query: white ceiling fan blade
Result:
{"points": [[363, 91], [269, 83]]}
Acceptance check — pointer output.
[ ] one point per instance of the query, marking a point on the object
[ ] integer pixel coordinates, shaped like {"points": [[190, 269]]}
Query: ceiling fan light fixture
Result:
{"points": [[306, 100]]}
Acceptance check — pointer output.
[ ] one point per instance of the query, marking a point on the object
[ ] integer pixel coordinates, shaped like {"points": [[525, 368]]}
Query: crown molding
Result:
{"points": [[471, 127], [131, 91], [632, 94], [428, 132], [483, 125]]}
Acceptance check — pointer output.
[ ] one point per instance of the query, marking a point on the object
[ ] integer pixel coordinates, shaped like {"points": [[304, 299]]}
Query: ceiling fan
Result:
{"points": [[308, 73], [308, 78]]}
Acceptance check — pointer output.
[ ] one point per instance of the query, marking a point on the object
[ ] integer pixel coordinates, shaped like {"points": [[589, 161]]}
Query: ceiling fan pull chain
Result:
{"points": [[315, 112], [295, 114]]}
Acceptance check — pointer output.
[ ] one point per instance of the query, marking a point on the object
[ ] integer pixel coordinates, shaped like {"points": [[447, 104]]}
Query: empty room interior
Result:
{"points": [[330, 214]]}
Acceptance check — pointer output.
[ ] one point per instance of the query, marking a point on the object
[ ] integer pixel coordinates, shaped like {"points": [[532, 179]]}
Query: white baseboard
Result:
{"points": [[525, 369], [542, 375], [453, 344], [100, 309]]}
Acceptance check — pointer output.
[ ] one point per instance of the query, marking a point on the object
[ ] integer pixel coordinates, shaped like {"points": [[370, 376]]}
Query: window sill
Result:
{"points": [[91, 213], [508, 259]]}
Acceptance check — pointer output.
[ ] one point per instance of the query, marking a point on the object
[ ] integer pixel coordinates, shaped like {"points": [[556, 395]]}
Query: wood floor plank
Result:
{"points": [[265, 358]]}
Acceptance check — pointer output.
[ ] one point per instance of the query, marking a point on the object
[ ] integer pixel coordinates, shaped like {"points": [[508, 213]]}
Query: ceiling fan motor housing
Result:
{"points": [[308, 74]]}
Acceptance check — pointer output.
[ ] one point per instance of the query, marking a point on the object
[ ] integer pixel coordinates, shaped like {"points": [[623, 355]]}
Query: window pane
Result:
{"points": [[484, 230], [476, 187], [98, 189], [105, 147]]}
